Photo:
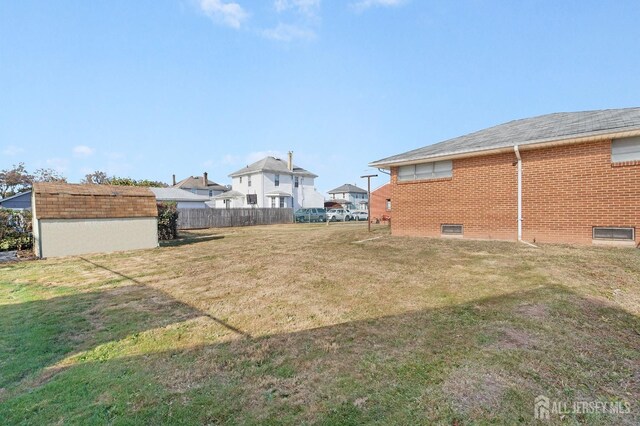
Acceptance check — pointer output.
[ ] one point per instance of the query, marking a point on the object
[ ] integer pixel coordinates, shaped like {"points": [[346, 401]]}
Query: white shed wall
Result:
{"points": [[67, 237]]}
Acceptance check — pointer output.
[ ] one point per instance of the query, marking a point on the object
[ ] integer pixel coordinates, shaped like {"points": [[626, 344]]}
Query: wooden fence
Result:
{"points": [[221, 218]]}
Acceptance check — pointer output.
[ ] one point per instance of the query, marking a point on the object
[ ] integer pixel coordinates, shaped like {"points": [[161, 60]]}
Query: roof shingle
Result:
{"points": [[545, 128]]}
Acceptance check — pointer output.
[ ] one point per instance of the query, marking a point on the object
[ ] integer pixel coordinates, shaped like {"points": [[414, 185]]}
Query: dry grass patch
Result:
{"points": [[295, 324]]}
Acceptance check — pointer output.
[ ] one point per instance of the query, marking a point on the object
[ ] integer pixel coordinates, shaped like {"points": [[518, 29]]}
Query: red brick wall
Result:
{"points": [[566, 191], [378, 201]]}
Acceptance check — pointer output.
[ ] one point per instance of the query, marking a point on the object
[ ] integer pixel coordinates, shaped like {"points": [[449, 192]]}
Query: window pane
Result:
{"points": [[424, 171], [443, 168], [625, 150], [406, 173]]}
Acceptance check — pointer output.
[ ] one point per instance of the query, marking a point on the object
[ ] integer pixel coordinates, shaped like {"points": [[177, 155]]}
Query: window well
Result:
{"points": [[613, 233], [451, 229]]}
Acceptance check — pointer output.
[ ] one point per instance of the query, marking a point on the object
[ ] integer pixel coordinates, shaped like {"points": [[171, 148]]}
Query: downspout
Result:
{"points": [[519, 167]]}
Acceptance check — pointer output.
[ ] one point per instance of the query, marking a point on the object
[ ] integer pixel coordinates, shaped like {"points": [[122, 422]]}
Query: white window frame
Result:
{"points": [[276, 179], [626, 149], [249, 181], [426, 171]]}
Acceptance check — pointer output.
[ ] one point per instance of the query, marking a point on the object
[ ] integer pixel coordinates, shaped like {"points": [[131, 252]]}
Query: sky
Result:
{"points": [[150, 88]]}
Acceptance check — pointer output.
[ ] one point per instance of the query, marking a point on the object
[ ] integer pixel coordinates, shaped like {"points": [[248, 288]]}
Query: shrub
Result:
{"points": [[167, 221], [15, 230]]}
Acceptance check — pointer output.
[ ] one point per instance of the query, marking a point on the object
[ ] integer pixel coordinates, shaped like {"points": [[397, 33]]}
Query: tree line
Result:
{"points": [[17, 179]]}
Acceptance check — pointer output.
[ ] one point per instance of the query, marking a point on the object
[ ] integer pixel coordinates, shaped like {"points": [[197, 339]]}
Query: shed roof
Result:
{"points": [[348, 188], [556, 127], [73, 201]]}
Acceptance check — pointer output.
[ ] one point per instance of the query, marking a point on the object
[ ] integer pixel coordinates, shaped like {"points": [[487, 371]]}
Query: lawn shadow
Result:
{"points": [[183, 241], [483, 361], [35, 335]]}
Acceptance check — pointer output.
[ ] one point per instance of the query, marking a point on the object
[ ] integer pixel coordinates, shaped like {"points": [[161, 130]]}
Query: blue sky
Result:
{"points": [[151, 88]]}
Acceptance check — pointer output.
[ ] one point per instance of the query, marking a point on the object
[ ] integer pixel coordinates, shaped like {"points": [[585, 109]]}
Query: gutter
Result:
{"points": [[501, 150]]}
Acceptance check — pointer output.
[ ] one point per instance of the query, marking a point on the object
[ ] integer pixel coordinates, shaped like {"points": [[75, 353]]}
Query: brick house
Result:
{"points": [[560, 178], [381, 203]]}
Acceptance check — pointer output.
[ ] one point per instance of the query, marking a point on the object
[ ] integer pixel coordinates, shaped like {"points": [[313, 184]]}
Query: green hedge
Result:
{"points": [[15, 230], [167, 221]]}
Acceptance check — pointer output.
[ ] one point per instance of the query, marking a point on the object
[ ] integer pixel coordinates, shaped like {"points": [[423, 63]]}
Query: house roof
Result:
{"points": [[176, 194], [272, 164], [196, 182], [228, 195], [347, 187], [20, 194], [72, 201], [561, 127]]}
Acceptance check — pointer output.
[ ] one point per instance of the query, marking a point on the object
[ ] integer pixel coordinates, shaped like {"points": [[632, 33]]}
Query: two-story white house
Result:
{"points": [[272, 183], [350, 197]]}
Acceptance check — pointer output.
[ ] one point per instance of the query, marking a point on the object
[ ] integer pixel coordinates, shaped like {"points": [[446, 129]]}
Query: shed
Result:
{"points": [[21, 201], [73, 219]]}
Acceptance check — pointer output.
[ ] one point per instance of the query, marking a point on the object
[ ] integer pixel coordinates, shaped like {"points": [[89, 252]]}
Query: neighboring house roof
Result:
{"points": [[176, 194], [197, 182], [21, 194], [348, 188], [228, 195], [70, 201], [272, 164], [565, 127], [277, 194]]}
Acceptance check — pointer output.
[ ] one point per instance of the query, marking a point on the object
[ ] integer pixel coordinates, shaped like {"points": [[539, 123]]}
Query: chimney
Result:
{"points": [[174, 180], [205, 181], [290, 161]]}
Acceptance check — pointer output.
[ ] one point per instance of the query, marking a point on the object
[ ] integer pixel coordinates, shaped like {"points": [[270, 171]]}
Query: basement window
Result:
{"points": [[613, 233], [627, 149], [433, 170], [450, 229]]}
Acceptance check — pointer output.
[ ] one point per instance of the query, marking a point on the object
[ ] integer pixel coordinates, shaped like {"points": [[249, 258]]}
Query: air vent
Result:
{"points": [[618, 234], [451, 229]]}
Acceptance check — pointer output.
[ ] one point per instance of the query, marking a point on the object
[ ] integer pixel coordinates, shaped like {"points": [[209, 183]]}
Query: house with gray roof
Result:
{"points": [[276, 183], [349, 196], [563, 177], [200, 185], [183, 199]]}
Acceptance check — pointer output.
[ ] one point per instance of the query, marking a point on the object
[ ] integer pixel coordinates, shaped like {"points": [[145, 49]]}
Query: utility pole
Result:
{"points": [[368, 198]]}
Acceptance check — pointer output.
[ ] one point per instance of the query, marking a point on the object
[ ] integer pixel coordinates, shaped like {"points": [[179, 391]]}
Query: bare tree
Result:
{"points": [[48, 175], [14, 180], [97, 177]]}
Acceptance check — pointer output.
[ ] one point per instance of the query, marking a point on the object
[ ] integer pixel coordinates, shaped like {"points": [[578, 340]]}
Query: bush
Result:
{"points": [[167, 221], [15, 230]]}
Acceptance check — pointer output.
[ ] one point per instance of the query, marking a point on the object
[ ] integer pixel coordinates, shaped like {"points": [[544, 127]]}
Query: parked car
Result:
{"points": [[311, 215], [360, 215], [343, 215]]}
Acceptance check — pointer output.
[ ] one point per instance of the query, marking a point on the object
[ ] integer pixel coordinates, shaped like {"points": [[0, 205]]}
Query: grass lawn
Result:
{"points": [[299, 324]]}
